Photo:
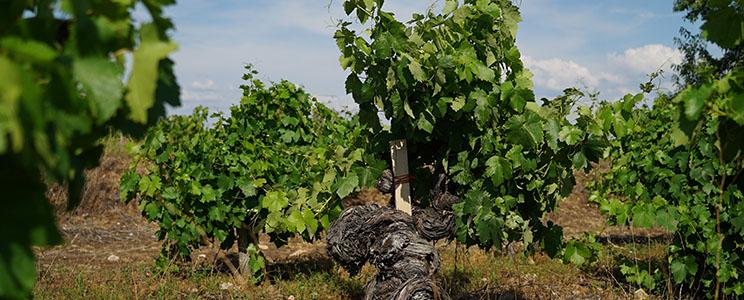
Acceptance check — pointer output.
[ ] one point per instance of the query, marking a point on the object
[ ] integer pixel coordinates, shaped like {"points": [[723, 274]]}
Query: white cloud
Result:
{"points": [[202, 85], [557, 74], [617, 75], [646, 59], [200, 95]]}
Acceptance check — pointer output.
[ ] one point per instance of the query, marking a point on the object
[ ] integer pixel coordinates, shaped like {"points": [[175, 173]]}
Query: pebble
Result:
{"points": [[291, 297], [640, 294], [112, 258], [226, 286]]}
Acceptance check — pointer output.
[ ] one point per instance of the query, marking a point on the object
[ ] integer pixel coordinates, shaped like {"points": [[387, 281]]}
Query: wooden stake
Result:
{"points": [[399, 156], [243, 258]]}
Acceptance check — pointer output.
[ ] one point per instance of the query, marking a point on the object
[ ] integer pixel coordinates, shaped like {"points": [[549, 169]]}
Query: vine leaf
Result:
{"points": [[22, 223], [642, 217], [347, 185], [694, 100], [100, 78], [525, 130], [274, 201], [552, 131], [449, 6], [498, 169], [142, 82], [458, 103], [681, 268], [296, 221], [724, 27], [570, 135], [416, 70], [737, 108], [309, 217], [11, 131]]}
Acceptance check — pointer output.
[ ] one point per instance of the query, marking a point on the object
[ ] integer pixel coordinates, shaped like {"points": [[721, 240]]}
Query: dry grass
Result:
{"points": [[101, 191]]}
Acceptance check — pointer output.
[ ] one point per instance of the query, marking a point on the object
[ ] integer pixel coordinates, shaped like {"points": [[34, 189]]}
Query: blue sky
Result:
{"points": [[605, 46]]}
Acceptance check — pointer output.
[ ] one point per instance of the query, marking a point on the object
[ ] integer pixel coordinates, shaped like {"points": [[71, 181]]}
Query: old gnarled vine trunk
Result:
{"points": [[397, 244]]}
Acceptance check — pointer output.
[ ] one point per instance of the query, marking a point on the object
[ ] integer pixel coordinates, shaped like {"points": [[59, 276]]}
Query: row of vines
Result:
{"points": [[678, 164], [453, 85]]}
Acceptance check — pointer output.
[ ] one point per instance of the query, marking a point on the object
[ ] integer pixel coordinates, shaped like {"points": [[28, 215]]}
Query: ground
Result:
{"points": [[110, 252]]}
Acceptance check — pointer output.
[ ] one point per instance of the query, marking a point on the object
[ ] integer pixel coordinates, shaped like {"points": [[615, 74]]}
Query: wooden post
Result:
{"points": [[243, 259], [399, 156]]}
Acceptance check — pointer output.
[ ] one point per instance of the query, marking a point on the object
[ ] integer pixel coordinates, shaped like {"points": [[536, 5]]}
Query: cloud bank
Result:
{"points": [[603, 45], [615, 75]]}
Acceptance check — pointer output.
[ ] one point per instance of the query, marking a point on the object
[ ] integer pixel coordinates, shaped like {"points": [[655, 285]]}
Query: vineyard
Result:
{"points": [[282, 197]]}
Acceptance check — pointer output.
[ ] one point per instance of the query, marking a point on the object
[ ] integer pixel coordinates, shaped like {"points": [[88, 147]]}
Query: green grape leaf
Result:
{"points": [[309, 218], [525, 130], [723, 27], [489, 228], [10, 125], [679, 271], [667, 220], [498, 169], [23, 224], [143, 79], [682, 268], [458, 103], [416, 70], [274, 201], [483, 72], [102, 82], [347, 185], [449, 6], [642, 217], [424, 124], [681, 128], [736, 104], [128, 186], [29, 50], [570, 135], [552, 132], [19, 270], [296, 221], [579, 160], [694, 100]]}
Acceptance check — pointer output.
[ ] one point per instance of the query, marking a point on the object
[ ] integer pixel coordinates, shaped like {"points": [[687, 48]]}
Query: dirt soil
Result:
{"points": [[105, 236], [578, 216]]}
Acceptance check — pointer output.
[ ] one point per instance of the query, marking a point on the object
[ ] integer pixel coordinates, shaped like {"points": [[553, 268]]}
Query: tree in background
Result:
{"points": [[62, 88], [699, 63]]}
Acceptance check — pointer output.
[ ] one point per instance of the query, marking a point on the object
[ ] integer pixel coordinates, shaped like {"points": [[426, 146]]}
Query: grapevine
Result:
{"points": [[279, 164], [453, 85], [678, 166]]}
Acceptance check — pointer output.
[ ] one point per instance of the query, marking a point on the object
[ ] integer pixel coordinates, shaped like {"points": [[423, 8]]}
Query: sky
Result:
{"points": [[606, 46]]}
